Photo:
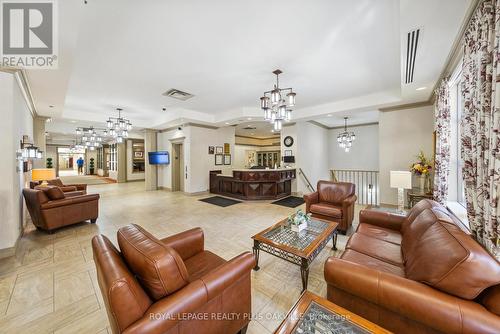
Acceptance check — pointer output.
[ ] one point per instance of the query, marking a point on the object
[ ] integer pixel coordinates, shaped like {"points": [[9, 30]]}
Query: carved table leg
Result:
{"points": [[304, 273], [334, 240], [256, 254]]}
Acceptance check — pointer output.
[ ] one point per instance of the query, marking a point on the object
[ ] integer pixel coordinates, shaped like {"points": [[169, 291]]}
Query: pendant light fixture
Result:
{"points": [[345, 138], [277, 104]]}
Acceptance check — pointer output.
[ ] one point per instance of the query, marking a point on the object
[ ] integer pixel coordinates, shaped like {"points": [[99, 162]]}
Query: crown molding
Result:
{"points": [[256, 138], [23, 83], [408, 106]]}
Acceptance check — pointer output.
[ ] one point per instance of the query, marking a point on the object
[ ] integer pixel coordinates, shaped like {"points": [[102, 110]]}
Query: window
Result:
{"points": [[456, 190]]}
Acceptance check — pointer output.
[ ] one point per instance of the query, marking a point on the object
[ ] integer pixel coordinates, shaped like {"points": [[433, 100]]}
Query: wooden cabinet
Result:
{"points": [[268, 158]]}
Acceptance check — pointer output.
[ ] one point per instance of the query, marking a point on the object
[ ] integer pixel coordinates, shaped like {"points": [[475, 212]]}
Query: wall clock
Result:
{"points": [[288, 141]]}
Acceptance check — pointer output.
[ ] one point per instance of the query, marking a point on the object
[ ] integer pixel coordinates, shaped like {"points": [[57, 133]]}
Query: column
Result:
{"points": [[150, 171], [122, 162]]}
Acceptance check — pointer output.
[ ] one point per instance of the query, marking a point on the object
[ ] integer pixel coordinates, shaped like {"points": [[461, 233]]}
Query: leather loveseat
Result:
{"points": [[51, 208], [81, 187], [172, 285], [333, 201], [417, 274]]}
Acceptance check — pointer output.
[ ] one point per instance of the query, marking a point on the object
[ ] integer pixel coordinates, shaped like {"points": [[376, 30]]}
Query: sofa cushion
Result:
{"points": [[326, 209], [158, 267], [55, 193], [55, 182], [414, 231], [379, 249], [202, 263], [335, 192], [415, 211], [381, 233], [448, 259], [371, 262], [490, 298]]}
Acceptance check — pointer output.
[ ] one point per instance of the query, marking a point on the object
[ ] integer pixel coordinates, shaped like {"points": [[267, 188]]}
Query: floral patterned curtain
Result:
{"points": [[480, 124], [442, 127]]}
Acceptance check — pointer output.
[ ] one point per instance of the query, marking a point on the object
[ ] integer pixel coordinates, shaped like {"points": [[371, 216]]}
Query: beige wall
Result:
{"points": [[16, 121], [402, 134]]}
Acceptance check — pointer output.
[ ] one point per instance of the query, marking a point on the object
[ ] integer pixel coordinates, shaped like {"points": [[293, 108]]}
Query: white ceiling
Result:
{"points": [[354, 118], [262, 129], [339, 56]]}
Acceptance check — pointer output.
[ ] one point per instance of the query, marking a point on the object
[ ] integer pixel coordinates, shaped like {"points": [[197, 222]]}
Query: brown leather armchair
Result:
{"points": [[64, 187], [417, 274], [172, 285], [333, 201], [50, 208]]}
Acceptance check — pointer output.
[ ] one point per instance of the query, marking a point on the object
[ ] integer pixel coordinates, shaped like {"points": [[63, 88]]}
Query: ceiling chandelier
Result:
{"points": [[119, 126], [90, 138], [277, 104], [345, 139]]}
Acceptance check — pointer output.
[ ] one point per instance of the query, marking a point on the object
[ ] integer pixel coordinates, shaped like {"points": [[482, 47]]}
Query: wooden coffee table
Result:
{"points": [[312, 314], [297, 248]]}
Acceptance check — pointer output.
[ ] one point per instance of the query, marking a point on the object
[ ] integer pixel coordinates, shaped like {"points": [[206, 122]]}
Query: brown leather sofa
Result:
{"points": [[333, 201], [417, 274], [51, 208], [172, 285], [64, 187]]}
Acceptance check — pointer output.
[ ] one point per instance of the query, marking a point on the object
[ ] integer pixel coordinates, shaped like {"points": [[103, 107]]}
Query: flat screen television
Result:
{"points": [[289, 159], [159, 158]]}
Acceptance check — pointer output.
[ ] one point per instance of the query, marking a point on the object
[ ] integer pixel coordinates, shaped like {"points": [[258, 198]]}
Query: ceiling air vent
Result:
{"points": [[411, 54], [178, 94]]}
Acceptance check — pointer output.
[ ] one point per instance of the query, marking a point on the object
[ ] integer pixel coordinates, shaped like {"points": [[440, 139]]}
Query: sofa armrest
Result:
{"points": [[311, 199], [69, 201], [79, 186], [187, 243], [183, 304], [381, 219], [228, 273], [68, 188], [410, 299]]}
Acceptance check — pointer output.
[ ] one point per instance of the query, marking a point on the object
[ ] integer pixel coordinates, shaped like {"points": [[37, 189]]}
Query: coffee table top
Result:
{"points": [[312, 314], [303, 243]]}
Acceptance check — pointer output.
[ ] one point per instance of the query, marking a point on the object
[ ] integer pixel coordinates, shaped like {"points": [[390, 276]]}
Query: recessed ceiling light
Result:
{"points": [[421, 88], [48, 120], [252, 133], [73, 121], [227, 123], [249, 118], [329, 115]]}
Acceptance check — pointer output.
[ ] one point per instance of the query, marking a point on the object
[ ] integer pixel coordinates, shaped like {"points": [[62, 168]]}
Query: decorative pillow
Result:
{"points": [[52, 192], [445, 257], [55, 182], [158, 267]]}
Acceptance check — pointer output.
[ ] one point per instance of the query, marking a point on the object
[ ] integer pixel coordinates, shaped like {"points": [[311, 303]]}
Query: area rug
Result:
{"points": [[220, 201], [86, 179], [290, 202]]}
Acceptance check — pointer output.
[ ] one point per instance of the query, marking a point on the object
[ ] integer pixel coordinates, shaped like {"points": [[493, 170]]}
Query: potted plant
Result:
{"points": [[48, 163], [91, 166], [422, 170], [299, 221]]}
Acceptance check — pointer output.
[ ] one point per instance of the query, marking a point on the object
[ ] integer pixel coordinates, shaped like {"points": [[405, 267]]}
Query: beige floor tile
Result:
{"points": [[72, 288], [31, 290]]}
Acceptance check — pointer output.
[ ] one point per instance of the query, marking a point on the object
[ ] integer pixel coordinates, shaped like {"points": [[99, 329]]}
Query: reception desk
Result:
{"points": [[253, 184]]}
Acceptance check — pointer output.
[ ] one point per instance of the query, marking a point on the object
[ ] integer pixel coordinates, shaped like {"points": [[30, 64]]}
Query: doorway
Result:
{"points": [[66, 161], [177, 167]]}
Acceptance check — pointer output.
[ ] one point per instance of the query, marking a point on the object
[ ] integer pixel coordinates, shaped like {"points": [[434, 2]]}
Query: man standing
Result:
{"points": [[80, 162]]}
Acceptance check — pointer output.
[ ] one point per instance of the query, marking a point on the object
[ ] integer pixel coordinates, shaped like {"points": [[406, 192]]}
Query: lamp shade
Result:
{"points": [[43, 174], [400, 179]]}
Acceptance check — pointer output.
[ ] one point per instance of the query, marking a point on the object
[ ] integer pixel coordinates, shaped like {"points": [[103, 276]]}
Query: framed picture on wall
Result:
{"points": [[288, 153], [138, 154], [219, 159], [219, 150], [211, 150], [227, 159], [227, 148]]}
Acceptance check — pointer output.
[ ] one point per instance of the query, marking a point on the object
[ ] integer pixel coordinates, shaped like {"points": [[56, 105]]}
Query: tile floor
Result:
{"points": [[50, 285]]}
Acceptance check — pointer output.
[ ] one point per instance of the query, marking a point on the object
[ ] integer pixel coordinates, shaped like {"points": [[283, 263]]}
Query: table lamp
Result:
{"points": [[402, 181], [43, 174]]}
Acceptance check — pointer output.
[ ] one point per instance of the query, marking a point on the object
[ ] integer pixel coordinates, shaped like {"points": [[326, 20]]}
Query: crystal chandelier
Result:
{"points": [[277, 104], [345, 139], [119, 126], [90, 138]]}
